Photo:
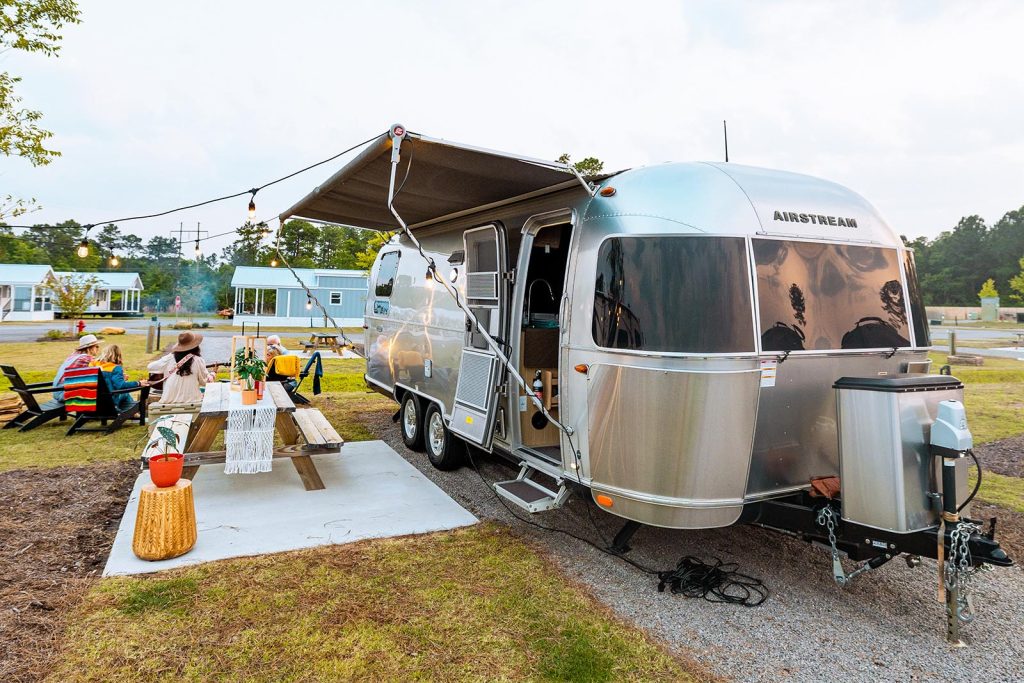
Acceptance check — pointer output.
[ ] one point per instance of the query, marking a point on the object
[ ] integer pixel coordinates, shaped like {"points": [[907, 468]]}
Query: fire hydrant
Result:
{"points": [[81, 327]]}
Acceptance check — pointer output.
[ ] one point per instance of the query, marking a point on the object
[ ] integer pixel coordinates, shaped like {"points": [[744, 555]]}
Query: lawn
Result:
{"points": [[473, 604]]}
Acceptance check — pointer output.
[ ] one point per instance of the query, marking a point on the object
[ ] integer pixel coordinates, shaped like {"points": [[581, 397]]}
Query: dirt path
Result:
{"points": [[56, 527], [1005, 456]]}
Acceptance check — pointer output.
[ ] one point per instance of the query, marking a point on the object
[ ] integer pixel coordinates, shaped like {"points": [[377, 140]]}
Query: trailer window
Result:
{"points": [[677, 294], [922, 336], [816, 296], [386, 273]]}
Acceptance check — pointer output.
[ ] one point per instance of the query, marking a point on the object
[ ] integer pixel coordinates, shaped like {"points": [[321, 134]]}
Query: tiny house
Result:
{"points": [[273, 296]]}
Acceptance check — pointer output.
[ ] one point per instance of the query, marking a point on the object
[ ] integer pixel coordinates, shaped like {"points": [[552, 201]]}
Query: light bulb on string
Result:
{"points": [[252, 204], [114, 261], [83, 248], [199, 251], [273, 263], [309, 304]]}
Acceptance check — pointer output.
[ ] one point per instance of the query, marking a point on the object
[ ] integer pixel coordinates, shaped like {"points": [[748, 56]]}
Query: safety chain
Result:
{"points": [[827, 518], [958, 569]]}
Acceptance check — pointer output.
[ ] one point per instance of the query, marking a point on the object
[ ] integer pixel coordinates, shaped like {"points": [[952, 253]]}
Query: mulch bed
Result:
{"points": [[1003, 457], [56, 528]]}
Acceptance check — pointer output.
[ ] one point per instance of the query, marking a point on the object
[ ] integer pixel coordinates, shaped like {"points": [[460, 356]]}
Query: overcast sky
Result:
{"points": [[916, 105]]}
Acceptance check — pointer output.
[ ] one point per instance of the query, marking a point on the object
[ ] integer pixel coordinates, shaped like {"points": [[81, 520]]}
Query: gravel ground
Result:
{"points": [[886, 626], [1003, 457]]}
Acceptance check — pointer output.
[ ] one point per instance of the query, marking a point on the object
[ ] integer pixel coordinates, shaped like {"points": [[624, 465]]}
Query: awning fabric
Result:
{"points": [[435, 178]]}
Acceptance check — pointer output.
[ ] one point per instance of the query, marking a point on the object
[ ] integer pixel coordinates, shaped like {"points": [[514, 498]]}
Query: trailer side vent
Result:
{"points": [[482, 286], [474, 375]]}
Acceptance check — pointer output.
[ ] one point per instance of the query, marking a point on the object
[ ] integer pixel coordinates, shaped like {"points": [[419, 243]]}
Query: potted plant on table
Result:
{"points": [[250, 368], [165, 469]]}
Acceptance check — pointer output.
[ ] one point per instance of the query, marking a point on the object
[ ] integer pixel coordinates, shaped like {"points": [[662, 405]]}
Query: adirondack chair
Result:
{"points": [[89, 398], [35, 413]]}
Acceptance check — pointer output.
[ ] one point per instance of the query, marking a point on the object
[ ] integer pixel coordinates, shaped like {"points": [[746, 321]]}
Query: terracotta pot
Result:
{"points": [[249, 397], [165, 470]]}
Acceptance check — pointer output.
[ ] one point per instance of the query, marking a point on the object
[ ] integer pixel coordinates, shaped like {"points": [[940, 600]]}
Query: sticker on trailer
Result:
{"points": [[381, 307], [768, 370]]}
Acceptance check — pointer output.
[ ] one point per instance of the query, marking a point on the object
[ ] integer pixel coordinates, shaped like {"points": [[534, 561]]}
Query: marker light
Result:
{"points": [[603, 500], [83, 248], [582, 368], [607, 191]]}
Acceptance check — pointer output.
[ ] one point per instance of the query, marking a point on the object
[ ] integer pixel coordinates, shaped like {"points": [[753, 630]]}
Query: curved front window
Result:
{"points": [[815, 296], [679, 293]]}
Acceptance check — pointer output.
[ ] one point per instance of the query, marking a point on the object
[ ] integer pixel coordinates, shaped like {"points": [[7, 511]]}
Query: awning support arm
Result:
{"points": [[398, 134]]}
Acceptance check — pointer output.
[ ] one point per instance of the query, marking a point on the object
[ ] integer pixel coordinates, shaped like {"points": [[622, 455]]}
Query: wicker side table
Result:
{"points": [[165, 525]]}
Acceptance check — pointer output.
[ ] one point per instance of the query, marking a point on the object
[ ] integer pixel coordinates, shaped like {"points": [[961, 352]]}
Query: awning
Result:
{"points": [[436, 179]]}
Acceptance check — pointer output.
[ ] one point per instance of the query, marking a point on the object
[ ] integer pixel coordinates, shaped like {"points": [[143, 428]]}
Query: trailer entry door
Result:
{"points": [[476, 397]]}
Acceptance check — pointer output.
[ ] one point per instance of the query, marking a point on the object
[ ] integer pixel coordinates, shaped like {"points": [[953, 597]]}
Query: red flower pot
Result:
{"points": [[165, 470]]}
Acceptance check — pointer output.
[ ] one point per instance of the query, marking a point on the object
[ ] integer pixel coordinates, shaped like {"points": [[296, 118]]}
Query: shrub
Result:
{"points": [[55, 334], [182, 325], [204, 324]]}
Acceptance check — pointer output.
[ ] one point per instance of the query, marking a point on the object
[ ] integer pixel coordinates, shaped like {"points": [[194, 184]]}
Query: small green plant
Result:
{"points": [[249, 367], [55, 334], [169, 437], [988, 290], [204, 324]]}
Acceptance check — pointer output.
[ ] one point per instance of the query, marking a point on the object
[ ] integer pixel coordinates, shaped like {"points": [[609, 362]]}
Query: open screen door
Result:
{"points": [[476, 397]]}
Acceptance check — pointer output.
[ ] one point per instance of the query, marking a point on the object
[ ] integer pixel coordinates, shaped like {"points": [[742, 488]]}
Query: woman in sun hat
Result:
{"points": [[184, 369]]}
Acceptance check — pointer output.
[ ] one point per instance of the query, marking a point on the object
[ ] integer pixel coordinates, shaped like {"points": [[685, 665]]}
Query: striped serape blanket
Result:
{"points": [[80, 386]]}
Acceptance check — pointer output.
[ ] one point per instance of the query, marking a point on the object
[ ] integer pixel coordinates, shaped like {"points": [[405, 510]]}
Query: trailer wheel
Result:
{"points": [[442, 451], [410, 422]]}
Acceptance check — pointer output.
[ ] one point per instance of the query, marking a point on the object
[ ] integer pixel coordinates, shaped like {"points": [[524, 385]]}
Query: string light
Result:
{"points": [[252, 203], [114, 261], [273, 263], [83, 248], [199, 251], [309, 304]]}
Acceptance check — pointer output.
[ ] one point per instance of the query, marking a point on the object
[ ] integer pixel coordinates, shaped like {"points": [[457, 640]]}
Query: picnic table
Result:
{"points": [[326, 340], [304, 432]]}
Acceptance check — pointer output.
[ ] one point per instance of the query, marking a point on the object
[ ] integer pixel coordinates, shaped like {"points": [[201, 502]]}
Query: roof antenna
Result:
{"points": [[725, 132]]}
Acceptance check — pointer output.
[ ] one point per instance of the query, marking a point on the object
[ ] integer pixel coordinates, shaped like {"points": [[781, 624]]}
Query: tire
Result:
{"points": [[410, 422], [444, 451]]}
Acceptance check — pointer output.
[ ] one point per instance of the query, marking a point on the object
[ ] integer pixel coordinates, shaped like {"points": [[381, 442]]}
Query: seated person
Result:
{"points": [[184, 369], [274, 342], [110, 363], [281, 368], [81, 357]]}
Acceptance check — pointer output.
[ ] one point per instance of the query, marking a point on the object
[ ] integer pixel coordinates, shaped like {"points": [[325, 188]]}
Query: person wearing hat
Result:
{"points": [[184, 370], [87, 349]]}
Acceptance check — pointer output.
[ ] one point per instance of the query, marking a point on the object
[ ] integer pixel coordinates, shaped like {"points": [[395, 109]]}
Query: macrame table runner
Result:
{"points": [[249, 438]]}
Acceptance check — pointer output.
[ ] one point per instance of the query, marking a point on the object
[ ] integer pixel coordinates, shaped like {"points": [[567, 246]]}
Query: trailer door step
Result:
{"points": [[533, 491]]}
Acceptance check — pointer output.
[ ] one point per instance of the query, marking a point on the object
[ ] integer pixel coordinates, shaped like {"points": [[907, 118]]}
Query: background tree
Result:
{"points": [[588, 166], [988, 289], [30, 26], [72, 294]]}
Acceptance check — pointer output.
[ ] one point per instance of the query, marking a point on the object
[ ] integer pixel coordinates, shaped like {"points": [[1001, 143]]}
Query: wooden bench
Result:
{"points": [[157, 409]]}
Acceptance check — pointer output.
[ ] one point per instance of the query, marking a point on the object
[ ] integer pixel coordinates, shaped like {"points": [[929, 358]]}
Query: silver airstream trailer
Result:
{"points": [[693, 345]]}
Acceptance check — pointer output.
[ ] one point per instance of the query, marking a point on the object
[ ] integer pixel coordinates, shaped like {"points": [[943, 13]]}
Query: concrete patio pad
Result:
{"points": [[371, 492]]}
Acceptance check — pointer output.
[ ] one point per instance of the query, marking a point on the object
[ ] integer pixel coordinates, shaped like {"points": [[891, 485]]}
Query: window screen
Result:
{"points": [[679, 293], [386, 273], [815, 296]]}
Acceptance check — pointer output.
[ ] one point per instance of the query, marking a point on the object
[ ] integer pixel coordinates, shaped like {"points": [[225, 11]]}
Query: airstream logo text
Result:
{"points": [[817, 219]]}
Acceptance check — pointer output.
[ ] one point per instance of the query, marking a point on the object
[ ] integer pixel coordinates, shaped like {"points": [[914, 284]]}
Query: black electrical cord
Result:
{"points": [[977, 484], [718, 582]]}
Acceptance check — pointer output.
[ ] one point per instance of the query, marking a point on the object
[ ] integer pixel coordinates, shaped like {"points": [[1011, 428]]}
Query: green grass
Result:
{"points": [[474, 604], [998, 489]]}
